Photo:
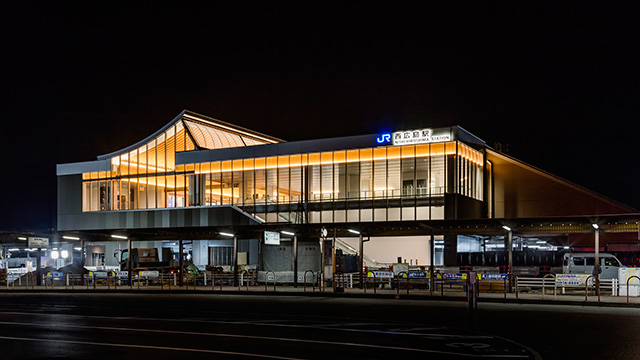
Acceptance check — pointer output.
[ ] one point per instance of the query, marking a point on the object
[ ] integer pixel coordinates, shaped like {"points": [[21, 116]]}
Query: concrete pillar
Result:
{"points": [[450, 250], [295, 261], [361, 260], [235, 260]]}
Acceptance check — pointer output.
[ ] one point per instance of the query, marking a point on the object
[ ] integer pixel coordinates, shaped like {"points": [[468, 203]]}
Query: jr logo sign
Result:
{"points": [[384, 138]]}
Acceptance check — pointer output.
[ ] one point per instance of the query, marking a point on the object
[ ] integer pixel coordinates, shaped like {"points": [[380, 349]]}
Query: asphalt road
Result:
{"points": [[199, 326]]}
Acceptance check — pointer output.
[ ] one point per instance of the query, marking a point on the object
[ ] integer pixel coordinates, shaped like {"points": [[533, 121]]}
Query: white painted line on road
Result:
{"points": [[148, 347], [254, 337]]}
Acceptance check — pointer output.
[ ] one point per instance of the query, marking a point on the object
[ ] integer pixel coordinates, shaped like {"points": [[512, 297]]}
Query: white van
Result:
{"points": [[583, 263]]}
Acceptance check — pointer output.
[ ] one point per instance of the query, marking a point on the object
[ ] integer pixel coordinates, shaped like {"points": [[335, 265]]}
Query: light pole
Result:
{"points": [[596, 268], [510, 254]]}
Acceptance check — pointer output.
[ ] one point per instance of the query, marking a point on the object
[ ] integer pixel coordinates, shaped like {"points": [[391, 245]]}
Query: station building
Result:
{"points": [[422, 196]]}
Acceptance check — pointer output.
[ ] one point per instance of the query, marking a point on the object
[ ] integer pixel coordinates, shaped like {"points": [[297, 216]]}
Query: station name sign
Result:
{"points": [[422, 136]]}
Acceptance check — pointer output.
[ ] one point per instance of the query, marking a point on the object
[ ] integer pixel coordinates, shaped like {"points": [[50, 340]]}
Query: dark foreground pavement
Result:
{"points": [[104, 325]]}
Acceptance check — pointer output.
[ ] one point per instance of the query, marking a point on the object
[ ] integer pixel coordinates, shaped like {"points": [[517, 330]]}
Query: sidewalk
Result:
{"points": [[575, 299]]}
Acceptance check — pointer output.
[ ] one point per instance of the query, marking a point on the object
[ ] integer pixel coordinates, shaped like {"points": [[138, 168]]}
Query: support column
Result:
{"points": [[510, 255], [450, 250], [596, 269], [235, 260], [361, 261], [432, 260], [129, 270], [39, 267], [295, 261], [82, 259], [180, 263]]}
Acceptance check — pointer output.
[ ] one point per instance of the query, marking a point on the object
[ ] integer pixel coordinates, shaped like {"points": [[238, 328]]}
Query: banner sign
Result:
{"points": [[149, 273], [419, 275], [55, 274], [380, 274], [122, 273], [99, 274], [493, 277], [454, 276], [573, 280]]}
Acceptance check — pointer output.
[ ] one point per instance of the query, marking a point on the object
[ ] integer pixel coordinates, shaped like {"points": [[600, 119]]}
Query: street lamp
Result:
{"points": [[510, 253], [596, 269]]}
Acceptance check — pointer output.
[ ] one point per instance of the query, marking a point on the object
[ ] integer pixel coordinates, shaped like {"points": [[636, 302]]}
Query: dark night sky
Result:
{"points": [[557, 83]]}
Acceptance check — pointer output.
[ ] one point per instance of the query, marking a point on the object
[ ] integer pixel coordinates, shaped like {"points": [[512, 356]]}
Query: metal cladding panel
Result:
{"points": [[287, 148], [153, 219], [69, 194], [83, 167]]}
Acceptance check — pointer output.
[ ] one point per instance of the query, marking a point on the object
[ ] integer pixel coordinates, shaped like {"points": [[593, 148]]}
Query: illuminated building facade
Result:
{"points": [[199, 173]]}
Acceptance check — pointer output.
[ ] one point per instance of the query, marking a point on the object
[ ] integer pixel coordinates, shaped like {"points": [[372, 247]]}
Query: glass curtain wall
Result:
{"points": [[375, 184]]}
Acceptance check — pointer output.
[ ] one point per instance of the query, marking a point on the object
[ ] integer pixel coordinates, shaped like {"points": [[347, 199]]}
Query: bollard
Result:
{"points": [[472, 296], [266, 280]]}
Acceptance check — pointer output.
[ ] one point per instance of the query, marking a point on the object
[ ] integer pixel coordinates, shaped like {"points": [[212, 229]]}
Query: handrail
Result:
{"points": [[398, 281], [631, 277], [266, 280], [543, 282], [312, 280], [242, 273], [375, 281], [586, 287]]}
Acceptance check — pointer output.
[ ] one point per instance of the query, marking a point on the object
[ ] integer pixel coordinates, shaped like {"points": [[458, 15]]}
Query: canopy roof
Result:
{"points": [[193, 131]]}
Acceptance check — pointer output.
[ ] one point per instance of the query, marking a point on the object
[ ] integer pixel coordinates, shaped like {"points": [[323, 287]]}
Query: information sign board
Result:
{"points": [[271, 238], [38, 242], [122, 274], [401, 267]]}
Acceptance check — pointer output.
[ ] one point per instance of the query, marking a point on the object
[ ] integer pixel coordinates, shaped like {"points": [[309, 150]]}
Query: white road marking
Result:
{"points": [[147, 347], [254, 337]]}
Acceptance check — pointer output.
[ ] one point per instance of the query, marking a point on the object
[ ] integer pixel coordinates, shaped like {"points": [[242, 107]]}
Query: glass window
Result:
{"points": [[437, 179], [284, 195], [238, 191], [380, 179], [408, 172], [340, 180], [86, 196], [296, 184], [260, 182], [181, 188], [314, 179], [161, 188], [144, 159], [353, 180], [393, 175], [327, 182], [366, 179], [216, 188]]}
